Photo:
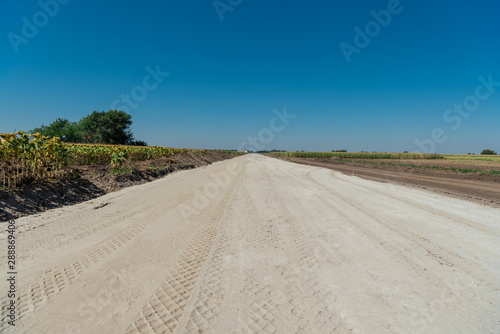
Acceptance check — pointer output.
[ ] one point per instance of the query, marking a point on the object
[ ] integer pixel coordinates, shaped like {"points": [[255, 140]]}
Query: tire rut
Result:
{"points": [[409, 203], [437, 253], [397, 249], [167, 306], [53, 280], [324, 315]]}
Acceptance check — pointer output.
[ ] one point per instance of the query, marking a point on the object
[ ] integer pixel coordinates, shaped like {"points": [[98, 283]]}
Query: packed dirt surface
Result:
{"points": [[481, 188], [258, 245], [89, 182]]}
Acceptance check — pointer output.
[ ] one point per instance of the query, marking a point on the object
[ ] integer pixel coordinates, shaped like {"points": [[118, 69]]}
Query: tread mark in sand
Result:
{"points": [[437, 253], [53, 280], [164, 310], [411, 203], [207, 305], [85, 230], [260, 313], [325, 318], [167, 305], [371, 233]]}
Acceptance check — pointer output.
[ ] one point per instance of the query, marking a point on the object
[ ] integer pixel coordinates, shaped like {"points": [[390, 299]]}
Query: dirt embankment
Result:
{"points": [[481, 188], [92, 181]]}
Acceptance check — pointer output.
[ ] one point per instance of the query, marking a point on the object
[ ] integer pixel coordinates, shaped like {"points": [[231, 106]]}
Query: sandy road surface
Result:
{"points": [[451, 184], [274, 247]]}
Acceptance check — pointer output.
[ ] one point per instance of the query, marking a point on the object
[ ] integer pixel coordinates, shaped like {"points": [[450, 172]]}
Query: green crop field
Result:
{"points": [[360, 155], [470, 157]]}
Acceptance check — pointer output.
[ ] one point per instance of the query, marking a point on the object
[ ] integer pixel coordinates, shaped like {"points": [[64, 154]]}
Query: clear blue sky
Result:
{"points": [[226, 76]]}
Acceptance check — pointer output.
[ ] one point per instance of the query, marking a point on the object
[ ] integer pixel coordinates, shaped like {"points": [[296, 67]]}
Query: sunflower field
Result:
{"points": [[24, 157], [27, 157]]}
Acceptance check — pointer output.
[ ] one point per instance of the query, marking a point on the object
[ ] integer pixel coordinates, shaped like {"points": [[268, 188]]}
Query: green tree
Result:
{"points": [[67, 131], [100, 127], [488, 152], [138, 143], [112, 127]]}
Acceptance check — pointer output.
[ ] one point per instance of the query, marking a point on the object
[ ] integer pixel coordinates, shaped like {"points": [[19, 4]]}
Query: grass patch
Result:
{"points": [[365, 162], [121, 170]]}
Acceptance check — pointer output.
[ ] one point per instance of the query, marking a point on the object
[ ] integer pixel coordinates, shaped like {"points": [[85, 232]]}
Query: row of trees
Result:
{"points": [[100, 127], [267, 151]]}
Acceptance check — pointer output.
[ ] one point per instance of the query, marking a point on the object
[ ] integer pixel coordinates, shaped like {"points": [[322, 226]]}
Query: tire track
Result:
{"points": [[167, 306], [210, 291], [84, 231], [353, 217], [409, 203], [206, 307], [260, 313], [437, 253], [53, 280], [88, 215], [268, 288], [323, 316], [360, 214], [394, 249]]}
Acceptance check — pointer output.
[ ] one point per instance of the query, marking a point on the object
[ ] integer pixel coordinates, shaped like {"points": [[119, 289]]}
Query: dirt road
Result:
{"points": [[258, 245], [483, 189]]}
